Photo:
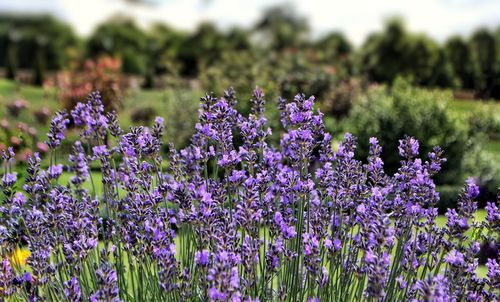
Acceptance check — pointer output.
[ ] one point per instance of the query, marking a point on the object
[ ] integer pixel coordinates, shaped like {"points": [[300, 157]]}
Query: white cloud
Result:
{"points": [[356, 18]]}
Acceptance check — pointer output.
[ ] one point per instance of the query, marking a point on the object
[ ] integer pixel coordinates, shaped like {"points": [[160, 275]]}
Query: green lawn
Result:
{"points": [[466, 107]]}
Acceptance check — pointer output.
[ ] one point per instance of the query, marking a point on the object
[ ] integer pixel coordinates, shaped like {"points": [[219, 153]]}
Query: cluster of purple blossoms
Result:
{"points": [[57, 128], [233, 218]]}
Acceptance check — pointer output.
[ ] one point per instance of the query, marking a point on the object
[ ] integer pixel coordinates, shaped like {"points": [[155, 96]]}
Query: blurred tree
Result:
{"points": [[443, 74], [486, 58], [282, 28], [333, 47], [395, 52], [459, 55], [382, 53], [34, 42], [421, 60], [12, 62], [205, 45], [495, 91], [163, 47], [238, 39], [120, 37]]}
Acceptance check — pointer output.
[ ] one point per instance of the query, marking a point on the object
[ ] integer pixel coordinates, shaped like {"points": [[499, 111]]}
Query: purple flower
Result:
{"points": [[433, 289], [159, 120], [215, 295], [91, 115], [7, 156], [9, 179], [72, 290], [232, 217], [55, 171], [100, 151], [337, 245], [6, 277], [455, 258], [471, 189], [408, 147], [58, 126], [78, 164], [493, 272], [19, 200], [328, 243], [202, 258], [108, 284]]}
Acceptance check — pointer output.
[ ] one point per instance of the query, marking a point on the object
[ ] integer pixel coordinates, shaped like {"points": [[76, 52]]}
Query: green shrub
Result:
{"points": [[485, 168], [390, 114], [242, 70], [181, 115], [339, 100], [279, 74], [485, 121]]}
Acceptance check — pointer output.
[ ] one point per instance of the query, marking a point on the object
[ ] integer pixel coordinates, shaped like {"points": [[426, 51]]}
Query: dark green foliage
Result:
{"points": [[390, 114], [34, 42], [486, 56], [485, 121], [203, 47], [121, 38], [460, 57], [334, 46], [281, 28], [396, 52], [163, 46], [180, 118]]}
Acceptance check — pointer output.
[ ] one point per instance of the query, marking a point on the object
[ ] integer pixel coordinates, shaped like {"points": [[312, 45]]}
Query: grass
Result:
{"points": [[467, 107]]}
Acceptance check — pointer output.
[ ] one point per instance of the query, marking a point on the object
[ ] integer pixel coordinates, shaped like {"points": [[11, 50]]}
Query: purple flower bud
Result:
{"points": [[408, 147], [202, 258], [9, 179], [19, 199], [27, 277], [328, 243], [55, 171], [455, 258], [100, 151], [337, 245], [471, 189]]}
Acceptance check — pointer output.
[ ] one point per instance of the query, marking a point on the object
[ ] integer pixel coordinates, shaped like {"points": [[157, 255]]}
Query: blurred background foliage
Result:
{"points": [[396, 83], [279, 42]]}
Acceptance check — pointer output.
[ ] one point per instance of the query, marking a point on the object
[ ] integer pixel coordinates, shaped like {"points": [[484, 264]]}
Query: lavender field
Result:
{"points": [[232, 217]]}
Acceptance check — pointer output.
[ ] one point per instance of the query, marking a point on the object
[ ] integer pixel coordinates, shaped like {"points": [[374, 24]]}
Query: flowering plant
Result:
{"points": [[80, 79], [237, 222]]}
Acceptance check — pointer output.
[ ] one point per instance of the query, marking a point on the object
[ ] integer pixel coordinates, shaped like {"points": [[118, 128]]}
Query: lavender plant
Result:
{"points": [[232, 221]]}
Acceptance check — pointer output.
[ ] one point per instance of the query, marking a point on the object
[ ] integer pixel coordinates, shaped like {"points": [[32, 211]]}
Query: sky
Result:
{"points": [[356, 18]]}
